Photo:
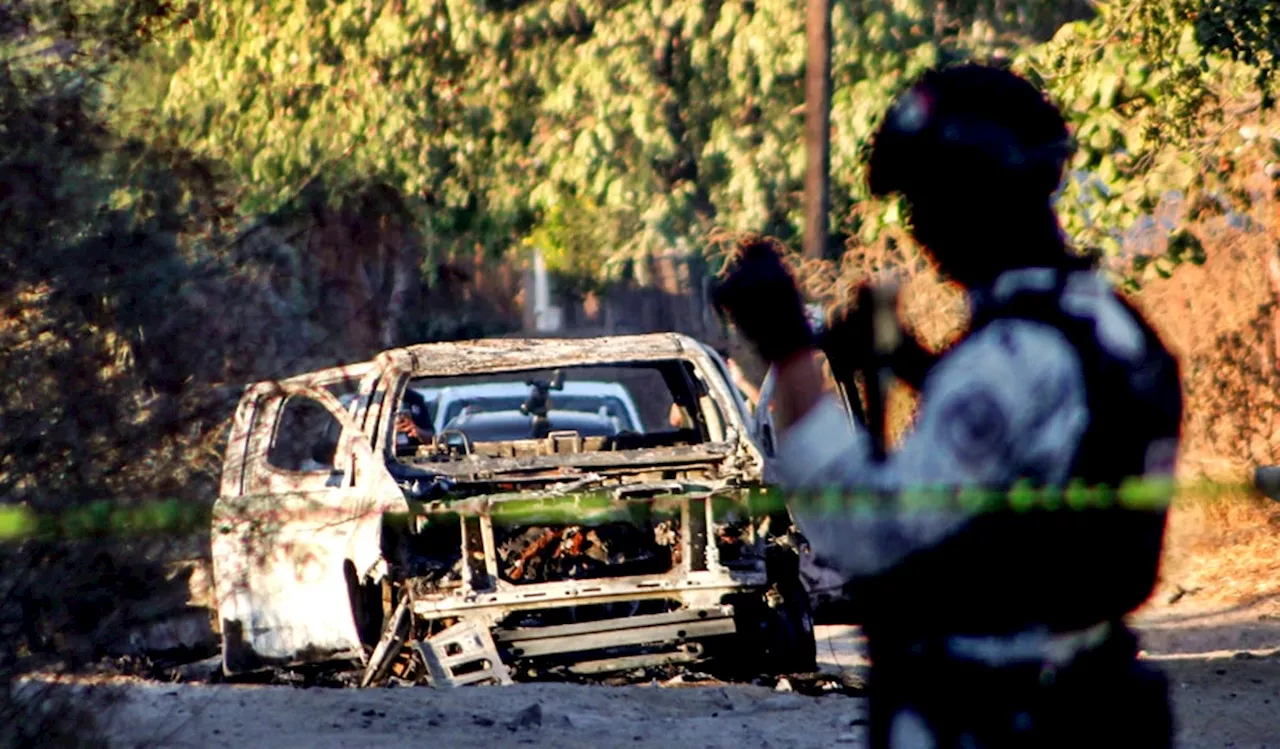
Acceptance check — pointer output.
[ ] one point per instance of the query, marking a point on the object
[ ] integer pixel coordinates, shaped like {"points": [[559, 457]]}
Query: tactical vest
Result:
{"points": [[1067, 569]]}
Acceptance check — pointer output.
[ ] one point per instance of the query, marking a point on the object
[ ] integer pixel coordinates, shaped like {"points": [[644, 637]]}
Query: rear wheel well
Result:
{"points": [[367, 609]]}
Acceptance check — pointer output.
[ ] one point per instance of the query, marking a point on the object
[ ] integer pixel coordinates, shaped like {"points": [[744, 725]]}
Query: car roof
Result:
{"points": [[517, 354]]}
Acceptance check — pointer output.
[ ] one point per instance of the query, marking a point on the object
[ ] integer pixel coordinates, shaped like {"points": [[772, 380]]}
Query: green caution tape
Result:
{"points": [[16, 523], [103, 518], [173, 517]]}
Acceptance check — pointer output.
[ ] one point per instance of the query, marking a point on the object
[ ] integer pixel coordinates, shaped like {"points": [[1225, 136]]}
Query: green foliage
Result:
{"points": [[573, 235], [503, 123], [1152, 90], [1247, 31], [114, 261], [667, 116], [90, 269], [88, 250]]}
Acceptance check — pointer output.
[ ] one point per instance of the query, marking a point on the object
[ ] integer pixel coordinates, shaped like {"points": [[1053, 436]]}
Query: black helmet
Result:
{"points": [[970, 127]]}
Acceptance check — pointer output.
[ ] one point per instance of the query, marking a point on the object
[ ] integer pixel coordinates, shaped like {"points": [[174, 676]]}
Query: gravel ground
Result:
{"points": [[1223, 666]]}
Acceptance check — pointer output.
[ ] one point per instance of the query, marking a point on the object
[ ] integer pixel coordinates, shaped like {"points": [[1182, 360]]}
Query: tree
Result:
{"points": [[666, 118], [1155, 91]]}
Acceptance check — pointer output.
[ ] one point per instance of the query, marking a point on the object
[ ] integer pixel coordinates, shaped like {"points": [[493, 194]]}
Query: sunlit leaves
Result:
{"points": [[1146, 88], [669, 117]]}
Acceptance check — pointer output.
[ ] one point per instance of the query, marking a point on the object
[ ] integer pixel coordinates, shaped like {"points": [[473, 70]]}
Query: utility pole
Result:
{"points": [[817, 127]]}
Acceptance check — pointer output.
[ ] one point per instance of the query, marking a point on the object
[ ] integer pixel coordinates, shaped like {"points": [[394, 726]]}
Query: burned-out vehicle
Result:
{"points": [[516, 541]]}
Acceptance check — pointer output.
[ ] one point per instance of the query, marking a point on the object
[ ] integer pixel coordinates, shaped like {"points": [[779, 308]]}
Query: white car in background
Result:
{"points": [[587, 396]]}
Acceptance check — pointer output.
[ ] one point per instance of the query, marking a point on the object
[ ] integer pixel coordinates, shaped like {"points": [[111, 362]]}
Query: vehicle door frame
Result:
{"points": [[256, 583]]}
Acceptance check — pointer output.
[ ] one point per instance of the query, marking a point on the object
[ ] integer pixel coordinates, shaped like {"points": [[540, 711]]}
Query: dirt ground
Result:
{"points": [[1223, 664], [1213, 626]]}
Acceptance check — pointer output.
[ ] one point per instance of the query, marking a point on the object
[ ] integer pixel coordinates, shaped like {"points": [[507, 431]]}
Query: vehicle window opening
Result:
{"points": [[688, 392], [623, 406], [305, 438], [412, 424], [345, 390]]}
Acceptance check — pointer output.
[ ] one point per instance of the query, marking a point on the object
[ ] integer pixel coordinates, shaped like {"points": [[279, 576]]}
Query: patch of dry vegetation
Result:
{"points": [[1222, 547], [1222, 320], [1219, 319]]}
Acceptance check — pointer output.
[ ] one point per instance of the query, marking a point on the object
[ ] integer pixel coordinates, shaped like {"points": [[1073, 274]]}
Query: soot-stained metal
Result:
{"points": [[454, 561]]}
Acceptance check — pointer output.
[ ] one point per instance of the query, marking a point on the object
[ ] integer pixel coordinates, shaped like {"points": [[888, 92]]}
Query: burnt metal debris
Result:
{"points": [[449, 560]]}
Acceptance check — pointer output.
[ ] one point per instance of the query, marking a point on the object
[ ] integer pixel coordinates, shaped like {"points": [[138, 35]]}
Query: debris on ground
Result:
{"points": [[530, 717]]}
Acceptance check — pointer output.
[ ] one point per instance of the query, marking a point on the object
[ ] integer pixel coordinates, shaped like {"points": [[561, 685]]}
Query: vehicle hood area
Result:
{"points": [[718, 463]]}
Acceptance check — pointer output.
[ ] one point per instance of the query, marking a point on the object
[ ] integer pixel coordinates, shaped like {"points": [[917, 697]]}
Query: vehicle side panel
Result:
{"points": [[290, 545]]}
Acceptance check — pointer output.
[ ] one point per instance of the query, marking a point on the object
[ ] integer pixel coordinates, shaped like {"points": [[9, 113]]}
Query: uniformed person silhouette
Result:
{"points": [[1000, 628]]}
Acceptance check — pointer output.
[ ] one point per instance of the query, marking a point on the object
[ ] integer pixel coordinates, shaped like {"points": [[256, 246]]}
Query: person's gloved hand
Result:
{"points": [[758, 293]]}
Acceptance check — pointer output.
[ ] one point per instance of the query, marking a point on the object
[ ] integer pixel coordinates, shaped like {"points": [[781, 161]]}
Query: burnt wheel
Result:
{"points": [[774, 626], [790, 646], [789, 638], [774, 637]]}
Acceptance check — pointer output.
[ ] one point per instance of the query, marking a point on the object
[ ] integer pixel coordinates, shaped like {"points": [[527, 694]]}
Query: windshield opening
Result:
{"points": [[587, 408]]}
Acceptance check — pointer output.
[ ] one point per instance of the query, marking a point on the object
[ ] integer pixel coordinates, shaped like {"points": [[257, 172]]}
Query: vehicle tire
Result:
{"points": [[366, 606], [789, 615], [790, 643]]}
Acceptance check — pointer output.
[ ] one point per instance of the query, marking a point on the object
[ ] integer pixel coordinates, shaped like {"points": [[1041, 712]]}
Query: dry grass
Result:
{"points": [[1220, 319], [1222, 546], [1217, 319]]}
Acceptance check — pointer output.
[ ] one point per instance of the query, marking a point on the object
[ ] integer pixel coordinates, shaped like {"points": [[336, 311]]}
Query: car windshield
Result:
{"points": [[629, 404], [464, 400]]}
